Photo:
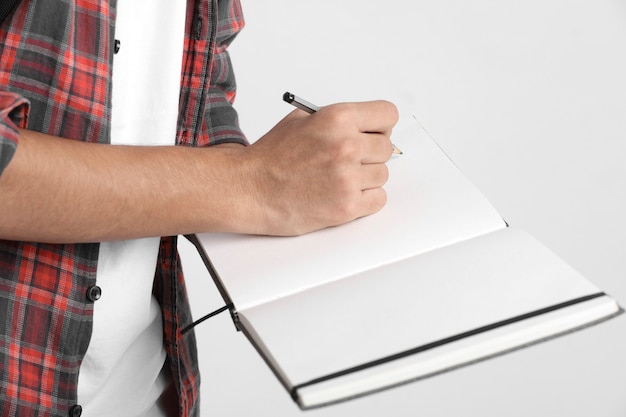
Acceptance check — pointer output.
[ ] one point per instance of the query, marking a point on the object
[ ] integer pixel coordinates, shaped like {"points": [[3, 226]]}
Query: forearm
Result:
{"points": [[309, 172], [57, 190]]}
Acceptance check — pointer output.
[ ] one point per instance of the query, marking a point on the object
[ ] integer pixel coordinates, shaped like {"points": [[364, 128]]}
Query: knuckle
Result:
{"points": [[394, 115], [343, 200], [389, 110], [341, 115], [344, 182], [386, 148], [383, 197], [384, 174], [346, 150], [378, 199], [347, 210]]}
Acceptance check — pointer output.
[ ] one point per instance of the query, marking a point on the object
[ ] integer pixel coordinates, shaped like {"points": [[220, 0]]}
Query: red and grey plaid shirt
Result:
{"points": [[55, 77]]}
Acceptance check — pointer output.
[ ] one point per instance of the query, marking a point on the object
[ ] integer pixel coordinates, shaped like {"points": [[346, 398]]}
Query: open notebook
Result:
{"points": [[434, 281]]}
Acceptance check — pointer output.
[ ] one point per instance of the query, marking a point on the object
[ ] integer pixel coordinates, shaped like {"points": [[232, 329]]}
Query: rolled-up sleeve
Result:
{"points": [[13, 115]]}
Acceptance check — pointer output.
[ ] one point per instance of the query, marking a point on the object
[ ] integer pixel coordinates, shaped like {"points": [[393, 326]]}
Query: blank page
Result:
{"points": [[430, 205], [417, 301]]}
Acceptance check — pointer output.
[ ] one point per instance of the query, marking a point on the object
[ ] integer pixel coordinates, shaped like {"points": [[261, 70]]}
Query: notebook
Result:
{"points": [[434, 281]]}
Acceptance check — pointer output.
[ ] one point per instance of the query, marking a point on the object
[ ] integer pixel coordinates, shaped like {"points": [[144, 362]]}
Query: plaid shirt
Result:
{"points": [[55, 77]]}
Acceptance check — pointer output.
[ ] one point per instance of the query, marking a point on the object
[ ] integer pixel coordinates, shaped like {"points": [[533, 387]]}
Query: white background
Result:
{"points": [[529, 100]]}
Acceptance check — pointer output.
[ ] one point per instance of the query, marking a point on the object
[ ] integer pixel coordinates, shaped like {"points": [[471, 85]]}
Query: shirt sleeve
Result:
{"points": [[13, 115], [223, 118]]}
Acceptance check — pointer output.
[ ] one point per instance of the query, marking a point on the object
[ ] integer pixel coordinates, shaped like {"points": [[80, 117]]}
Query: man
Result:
{"points": [[96, 326]]}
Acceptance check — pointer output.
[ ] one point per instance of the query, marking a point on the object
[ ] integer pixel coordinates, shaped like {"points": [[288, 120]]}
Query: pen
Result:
{"points": [[312, 108]]}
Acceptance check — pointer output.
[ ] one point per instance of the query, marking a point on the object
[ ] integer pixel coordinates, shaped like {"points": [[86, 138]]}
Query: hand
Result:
{"points": [[313, 171]]}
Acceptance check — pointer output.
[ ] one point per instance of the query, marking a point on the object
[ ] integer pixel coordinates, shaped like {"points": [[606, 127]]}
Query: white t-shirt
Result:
{"points": [[123, 372]]}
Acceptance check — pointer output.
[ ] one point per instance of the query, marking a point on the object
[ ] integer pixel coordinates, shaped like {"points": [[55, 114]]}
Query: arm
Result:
{"points": [[309, 172]]}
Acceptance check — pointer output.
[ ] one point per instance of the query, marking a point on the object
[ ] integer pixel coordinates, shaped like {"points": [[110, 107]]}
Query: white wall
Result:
{"points": [[529, 99]]}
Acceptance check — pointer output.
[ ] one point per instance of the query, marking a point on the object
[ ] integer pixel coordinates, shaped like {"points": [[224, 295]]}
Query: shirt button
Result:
{"points": [[76, 411], [116, 46], [94, 293]]}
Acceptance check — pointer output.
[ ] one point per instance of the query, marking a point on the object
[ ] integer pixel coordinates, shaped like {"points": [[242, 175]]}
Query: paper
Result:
{"points": [[414, 302], [430, 204]]}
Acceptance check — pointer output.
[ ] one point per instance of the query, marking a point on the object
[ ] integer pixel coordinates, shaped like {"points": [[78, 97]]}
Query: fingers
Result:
{"points": [[375, 116], [322, 169], [372, 201], [373, 196], [368, 202], [375, 148], [373, 176], [370, 116], [371, 124]]}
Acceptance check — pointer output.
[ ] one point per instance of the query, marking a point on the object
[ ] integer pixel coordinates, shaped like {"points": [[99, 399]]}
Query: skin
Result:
{"points": [[307, 173]]}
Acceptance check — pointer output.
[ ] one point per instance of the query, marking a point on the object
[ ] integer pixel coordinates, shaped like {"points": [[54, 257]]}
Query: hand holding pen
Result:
{"points": [[312, 108], [321, 168]]}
